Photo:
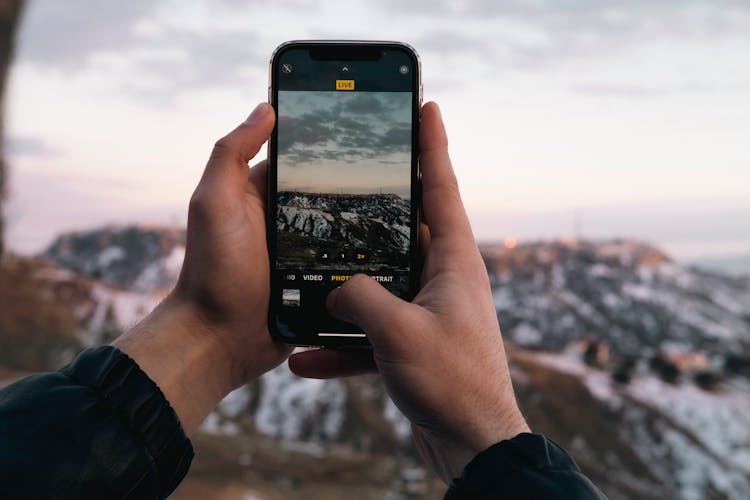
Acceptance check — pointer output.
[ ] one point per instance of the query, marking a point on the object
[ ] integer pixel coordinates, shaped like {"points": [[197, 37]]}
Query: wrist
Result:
{"points": [[502, 426], [188, 362], [448, 455], [509, 425]]}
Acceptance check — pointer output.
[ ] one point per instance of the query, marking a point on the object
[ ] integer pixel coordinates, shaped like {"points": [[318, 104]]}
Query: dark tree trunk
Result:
{"points": [[10, 14]]}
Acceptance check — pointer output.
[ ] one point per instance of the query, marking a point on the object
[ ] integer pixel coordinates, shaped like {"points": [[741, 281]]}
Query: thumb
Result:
{"points": [[227, 165], [245, 141], [364, 302], [226, 174]]}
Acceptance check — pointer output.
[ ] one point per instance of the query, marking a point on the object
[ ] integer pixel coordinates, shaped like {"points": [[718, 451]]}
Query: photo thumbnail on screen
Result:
{"points": [[344, 181]]}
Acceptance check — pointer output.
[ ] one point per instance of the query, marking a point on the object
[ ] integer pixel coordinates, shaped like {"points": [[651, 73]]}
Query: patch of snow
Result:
{"points": [[292, 408], [501, 297], [162, 273], [109, 255], [236, 402], [173, 261], [214, 424], [211, 424], [307, 221], [599, 270], [130, 307], [525, 334], [400, 423], [720, 420]]}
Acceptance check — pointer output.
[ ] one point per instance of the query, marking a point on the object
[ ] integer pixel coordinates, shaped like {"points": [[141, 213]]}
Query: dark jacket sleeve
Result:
{"points": [[98, 428], [529, 466]]}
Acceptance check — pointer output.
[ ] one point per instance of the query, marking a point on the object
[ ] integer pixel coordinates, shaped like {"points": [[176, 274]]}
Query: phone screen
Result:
{"points": [[342, 181]]}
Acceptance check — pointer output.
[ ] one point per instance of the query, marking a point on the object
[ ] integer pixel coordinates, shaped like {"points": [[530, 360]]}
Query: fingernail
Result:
{"points": [[434, 105], [259, 112]]}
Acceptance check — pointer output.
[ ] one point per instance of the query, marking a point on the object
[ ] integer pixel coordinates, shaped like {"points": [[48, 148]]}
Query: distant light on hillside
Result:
{"points": [[510, 242]]}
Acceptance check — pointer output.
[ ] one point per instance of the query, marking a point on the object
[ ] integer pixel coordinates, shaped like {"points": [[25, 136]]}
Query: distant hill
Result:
{"points": [[627, 293], [634, 363], [49, 313], [732, 264], [139, 258]]}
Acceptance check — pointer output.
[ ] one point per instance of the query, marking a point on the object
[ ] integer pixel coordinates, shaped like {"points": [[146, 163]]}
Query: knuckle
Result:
{"points": [[222, 149], [198, 205], [401, 318], [447, 189], [450, 186]]}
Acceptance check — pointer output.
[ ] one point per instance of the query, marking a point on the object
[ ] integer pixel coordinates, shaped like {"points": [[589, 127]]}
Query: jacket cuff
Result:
{"points": [[526, 466], [132, 395]]}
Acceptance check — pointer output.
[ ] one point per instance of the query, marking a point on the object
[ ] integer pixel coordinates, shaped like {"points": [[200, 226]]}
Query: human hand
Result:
{"points": [[441, 356], [210, 335]]}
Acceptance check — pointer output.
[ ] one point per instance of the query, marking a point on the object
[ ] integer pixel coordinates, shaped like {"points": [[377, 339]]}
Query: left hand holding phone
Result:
{"points": [[210, 335]]}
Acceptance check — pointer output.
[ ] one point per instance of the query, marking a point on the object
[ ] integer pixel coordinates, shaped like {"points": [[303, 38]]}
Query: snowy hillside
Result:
{"points": [[377, 223], [140, 258], [635, 364], [693, 443], [624, 292]]}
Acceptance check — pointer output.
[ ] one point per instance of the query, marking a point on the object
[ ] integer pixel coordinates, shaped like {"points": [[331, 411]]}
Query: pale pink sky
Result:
{"points": [[626, 120]]}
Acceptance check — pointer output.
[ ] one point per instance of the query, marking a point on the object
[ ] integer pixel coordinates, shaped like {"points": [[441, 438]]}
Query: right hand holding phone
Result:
{"points": [[441, 356]]}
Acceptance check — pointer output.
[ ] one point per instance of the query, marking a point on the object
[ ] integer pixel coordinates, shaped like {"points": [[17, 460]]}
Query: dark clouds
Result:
{"points": [[305, 130], [334, 125]]}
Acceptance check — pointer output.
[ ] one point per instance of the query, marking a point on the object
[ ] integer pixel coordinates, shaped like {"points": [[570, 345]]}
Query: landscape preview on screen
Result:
{"points": [[343, 188]]}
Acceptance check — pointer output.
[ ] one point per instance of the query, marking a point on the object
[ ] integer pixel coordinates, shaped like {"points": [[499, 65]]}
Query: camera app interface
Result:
{"points": [[343, 182]]}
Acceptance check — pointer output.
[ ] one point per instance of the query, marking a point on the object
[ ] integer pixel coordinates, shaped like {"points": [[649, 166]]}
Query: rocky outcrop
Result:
{"points": [[376, 222]]}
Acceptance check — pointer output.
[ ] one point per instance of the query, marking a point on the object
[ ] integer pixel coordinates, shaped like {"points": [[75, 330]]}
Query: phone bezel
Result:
{"points": [[312, 338]]}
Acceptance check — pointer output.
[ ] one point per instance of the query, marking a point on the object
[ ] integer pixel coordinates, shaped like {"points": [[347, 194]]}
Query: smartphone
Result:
{"points": [[343, 180]]}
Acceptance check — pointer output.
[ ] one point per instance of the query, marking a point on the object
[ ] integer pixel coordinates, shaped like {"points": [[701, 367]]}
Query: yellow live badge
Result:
{"points": [[344, 84]]}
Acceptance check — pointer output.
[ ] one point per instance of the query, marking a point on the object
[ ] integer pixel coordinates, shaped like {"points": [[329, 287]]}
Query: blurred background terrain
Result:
{"points": [[601, 151]]}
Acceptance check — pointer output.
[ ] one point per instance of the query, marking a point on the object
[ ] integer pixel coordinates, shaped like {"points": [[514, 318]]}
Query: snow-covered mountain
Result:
{"points": [[637, 365], [376, 222], [139, 258], [626, 293], [648, 439]]}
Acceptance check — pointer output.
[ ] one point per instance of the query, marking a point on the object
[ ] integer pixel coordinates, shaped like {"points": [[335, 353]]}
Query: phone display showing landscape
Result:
{"points": [[343, 181], [343, 198]]}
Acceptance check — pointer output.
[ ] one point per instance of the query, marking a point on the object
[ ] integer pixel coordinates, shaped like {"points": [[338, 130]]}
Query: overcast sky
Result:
{"points": [[602, 118], [370, 151]]}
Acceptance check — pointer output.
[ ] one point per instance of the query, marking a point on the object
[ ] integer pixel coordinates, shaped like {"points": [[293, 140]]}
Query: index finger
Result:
{"points": [[441, 200]]}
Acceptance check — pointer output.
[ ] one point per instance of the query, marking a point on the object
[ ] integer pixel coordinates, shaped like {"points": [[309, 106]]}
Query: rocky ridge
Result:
{"points": [[624, 292], [377, 222]]}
